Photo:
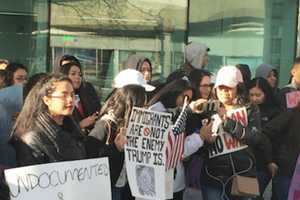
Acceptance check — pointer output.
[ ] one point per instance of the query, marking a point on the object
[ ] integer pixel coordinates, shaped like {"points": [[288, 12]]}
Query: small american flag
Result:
{"points": [[175, 145], [174, 149]]}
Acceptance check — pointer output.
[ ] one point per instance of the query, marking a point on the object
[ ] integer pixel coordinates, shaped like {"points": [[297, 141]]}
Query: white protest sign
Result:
{"points": [[224, 142], [145, 155], [239, 114], [72, 180], [292, 99]]}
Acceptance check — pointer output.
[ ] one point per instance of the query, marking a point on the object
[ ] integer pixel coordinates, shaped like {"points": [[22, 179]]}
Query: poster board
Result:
{"points": [[71, 180], [224, 142], [292, 99], [145, 155]]}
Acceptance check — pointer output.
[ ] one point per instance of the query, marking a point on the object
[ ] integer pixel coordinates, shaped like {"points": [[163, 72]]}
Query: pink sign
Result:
{"points": [[292, 99], [294, 192]]}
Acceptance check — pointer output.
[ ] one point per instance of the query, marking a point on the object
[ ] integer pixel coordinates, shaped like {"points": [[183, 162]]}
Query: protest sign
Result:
{"points": [[294, 192], [292, 99], [224, 142], [73, 180], [145, 155]]}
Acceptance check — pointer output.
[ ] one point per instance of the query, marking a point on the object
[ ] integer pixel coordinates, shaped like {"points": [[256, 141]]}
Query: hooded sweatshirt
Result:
{"points": [[195, 53], [263, 70]]}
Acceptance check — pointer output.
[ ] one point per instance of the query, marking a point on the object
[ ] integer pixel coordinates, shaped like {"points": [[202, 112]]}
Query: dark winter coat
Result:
{"points": [[267, 113], [222, 166], [281, 94], [285, 128], [49, 142], [89, 100]]}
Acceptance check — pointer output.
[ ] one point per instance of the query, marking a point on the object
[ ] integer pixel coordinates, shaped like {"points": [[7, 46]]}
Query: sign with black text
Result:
{"points": [[145, 155], [224, 142], [71, 180]]}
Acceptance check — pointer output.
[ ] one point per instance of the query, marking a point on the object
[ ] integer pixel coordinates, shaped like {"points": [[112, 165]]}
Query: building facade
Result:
{"points": [[103, 33]]}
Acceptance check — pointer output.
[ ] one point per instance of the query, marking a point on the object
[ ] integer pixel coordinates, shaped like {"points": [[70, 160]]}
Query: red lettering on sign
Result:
{"points": [[292, 99], [230, 142], [240, 116], [146, 131]]}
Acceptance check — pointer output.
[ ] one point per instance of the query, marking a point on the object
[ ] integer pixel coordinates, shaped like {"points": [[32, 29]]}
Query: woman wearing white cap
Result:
{"points": [[237, 130], [129, 90]]}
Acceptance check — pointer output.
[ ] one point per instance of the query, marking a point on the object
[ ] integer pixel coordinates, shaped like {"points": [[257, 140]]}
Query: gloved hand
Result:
{"points": [[234, 128]]}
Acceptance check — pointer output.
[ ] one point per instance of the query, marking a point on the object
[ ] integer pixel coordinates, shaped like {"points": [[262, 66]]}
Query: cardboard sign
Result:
{"points": [[224, 142], [239, 114], [292, 99], [73, 180], [145, 155], [294, 192]]}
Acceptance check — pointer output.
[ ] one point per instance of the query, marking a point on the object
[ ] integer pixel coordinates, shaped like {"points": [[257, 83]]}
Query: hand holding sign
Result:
{"points": [[222, 113], [186, 101], [198, 105], [121, 140], [206, 132], [273, 168]]}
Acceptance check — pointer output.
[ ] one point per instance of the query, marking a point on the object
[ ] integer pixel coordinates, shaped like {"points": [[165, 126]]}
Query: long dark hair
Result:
{"points": [[263, 84], [122, 101], [64, 69], [169, 93], [10, 70], [68, 58], [195, 78], [34, 104], [32, 81]]}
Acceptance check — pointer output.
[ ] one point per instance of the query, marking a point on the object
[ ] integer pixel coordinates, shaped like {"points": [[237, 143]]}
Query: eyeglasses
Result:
{"points": [[63, 96]]}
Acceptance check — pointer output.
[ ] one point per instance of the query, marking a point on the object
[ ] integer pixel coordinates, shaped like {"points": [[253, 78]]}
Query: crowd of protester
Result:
{"points": [[58, 117]]}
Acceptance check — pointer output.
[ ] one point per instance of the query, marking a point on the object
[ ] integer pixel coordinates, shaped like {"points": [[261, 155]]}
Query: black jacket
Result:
{"points": [[222, 167], [285, 128], [89, 100], [49, 142], [267, 113], [281, 95], [61, 143]]}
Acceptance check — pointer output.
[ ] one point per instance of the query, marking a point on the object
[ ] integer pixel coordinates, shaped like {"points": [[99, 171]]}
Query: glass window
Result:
{"points": [[113, 30], [24, 33], [247, 33]]}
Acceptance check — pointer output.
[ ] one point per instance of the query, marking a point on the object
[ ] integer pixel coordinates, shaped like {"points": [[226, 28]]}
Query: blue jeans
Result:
{"points": [[116, 193], [280, 187], [264, 179], [121, 193]]}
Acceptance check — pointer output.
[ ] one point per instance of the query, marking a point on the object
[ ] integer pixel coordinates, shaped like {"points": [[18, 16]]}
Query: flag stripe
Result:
{"points": [[174, 149]]}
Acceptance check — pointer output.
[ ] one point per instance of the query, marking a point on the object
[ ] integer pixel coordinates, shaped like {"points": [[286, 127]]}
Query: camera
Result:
{"points": [[211, 106]]}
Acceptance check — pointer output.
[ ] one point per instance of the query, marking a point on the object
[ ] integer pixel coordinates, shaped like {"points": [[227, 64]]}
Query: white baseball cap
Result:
{"points": [[131, 77], [229, 76]]}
